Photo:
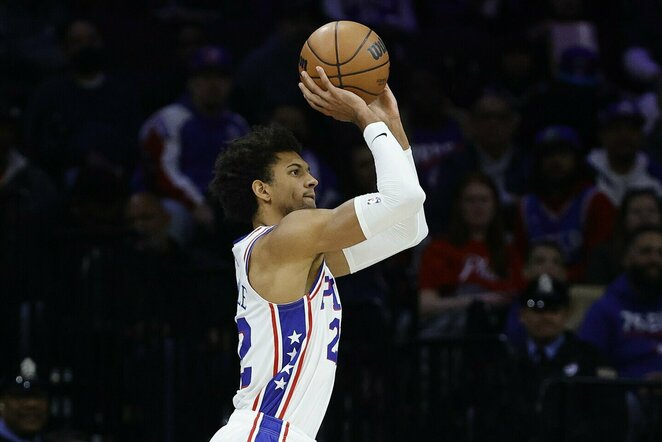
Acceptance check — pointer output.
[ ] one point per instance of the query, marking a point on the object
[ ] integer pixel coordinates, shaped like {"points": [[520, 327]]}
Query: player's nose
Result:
{"points": [[312, 181]]}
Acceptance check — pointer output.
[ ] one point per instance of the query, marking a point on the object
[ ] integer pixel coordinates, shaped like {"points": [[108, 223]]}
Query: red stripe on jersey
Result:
{"points": [[250, 436], [257, 400], [301, 359], [287, 429], [275, 331], [318, 287]]}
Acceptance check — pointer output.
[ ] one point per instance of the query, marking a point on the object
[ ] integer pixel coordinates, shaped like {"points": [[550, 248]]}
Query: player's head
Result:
{"points": [[263, 170]]}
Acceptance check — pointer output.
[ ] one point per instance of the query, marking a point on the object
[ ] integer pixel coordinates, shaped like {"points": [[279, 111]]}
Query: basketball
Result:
{"points": [[352, 55]]}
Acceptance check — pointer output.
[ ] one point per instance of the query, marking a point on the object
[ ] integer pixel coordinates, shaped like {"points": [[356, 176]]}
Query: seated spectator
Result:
{"points": [[621, 165], [264, 77], [549, 351], [471, 263], [639, 208], [85, 116], [571, 98], [180, 142], [491, 130], [432, 129], [563, 206], [625, 322], [543, 258], [24, 404]]}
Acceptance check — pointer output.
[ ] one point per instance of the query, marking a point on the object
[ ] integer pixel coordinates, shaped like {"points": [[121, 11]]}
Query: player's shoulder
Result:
{"points": [[291, 236]]}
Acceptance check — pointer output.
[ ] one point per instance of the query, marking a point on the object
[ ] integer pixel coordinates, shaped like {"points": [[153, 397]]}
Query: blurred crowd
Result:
{"points": [[536, 126]]}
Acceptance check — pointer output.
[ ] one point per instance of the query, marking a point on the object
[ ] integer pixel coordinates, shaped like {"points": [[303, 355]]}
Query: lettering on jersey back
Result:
{"points": [[241, 301]]}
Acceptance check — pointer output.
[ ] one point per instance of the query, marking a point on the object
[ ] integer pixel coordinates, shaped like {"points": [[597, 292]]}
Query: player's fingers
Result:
{"points": [[309, 96], [310, 84], [326, 83], [318, 108]]}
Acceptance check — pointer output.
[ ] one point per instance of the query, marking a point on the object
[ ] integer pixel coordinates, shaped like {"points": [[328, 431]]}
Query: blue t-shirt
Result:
{"points": [[627, 329]]}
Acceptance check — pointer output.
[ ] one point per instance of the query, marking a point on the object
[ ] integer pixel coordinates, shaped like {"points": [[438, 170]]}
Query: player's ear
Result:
{"points": [[261, 190]]}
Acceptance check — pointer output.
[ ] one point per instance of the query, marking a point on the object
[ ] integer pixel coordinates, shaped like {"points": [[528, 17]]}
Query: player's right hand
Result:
{"points": [[335, 102]]}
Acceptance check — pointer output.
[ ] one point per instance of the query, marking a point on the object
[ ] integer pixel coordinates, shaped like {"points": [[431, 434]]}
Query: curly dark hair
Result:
{"points": [[246, 159]]}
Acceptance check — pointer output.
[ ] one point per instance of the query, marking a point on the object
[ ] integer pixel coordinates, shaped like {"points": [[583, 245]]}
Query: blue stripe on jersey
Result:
{"points": [[293, 333], [269, 430]]}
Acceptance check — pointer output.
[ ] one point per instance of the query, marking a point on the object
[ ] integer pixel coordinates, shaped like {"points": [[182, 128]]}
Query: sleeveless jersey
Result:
{"points": [[288, 352], [566, 228]]}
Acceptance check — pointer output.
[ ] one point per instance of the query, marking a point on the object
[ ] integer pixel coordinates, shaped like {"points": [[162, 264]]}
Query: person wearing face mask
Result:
{"points": [[86, 114]]}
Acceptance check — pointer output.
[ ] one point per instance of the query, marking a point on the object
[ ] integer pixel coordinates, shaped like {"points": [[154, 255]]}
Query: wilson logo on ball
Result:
{"points": [[303, 63], [377, 49]]}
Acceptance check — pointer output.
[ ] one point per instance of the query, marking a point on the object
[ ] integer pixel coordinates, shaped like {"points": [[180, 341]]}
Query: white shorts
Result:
{"points": [[251, 426]]}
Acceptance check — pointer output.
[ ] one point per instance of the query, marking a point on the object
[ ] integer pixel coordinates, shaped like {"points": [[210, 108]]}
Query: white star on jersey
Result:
{"points": [[294, 337], [293, 353], [280, 384], [287, 368]]}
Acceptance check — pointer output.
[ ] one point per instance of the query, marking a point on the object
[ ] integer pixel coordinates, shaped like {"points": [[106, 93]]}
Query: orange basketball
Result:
{"points": [[352, 55]]}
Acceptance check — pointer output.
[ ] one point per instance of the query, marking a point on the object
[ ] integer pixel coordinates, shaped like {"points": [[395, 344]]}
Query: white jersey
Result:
{"points": [[289, 351]]}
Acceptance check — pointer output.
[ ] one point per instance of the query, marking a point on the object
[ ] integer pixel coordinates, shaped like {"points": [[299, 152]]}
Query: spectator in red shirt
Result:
{"points": [[472, 263]]}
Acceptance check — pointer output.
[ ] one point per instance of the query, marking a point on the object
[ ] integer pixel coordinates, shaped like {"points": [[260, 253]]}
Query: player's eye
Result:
{"points": [[294, 172]]}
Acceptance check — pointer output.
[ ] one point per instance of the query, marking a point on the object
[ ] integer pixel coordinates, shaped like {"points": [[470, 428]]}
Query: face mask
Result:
{"points": [[88, 60]]}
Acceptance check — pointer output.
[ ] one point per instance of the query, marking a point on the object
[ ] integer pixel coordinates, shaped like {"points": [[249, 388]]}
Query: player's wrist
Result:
{"points": [[364, 116]]}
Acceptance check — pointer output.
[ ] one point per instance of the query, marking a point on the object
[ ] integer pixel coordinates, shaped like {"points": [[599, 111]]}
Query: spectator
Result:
{"points": [[265, 78], [471, 263], [86, 116], [491, 130], [550, 351], [620, 165], [24, 404], [180, 142], [393, 15], [433, 131], [563, 207], [643, 53], [571, 98], [625, 322], [543, 258], [640, 207]]}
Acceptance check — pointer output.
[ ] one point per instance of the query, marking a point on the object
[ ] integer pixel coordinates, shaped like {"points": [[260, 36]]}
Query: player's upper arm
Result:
{"points": [[309, 232]]}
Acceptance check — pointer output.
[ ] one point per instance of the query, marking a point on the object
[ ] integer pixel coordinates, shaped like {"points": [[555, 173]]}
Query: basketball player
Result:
{"points": [[288, 309]]}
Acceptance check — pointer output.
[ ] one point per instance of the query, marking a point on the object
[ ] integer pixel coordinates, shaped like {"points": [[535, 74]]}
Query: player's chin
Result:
{"points": [[309, 203]]}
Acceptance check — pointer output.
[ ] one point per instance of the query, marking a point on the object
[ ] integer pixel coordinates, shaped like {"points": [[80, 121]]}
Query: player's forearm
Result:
{"points": [[399, 194], [395, 124]]}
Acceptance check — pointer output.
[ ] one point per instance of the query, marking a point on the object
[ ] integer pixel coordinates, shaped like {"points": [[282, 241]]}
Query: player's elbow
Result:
{"points": [[413, 197]]}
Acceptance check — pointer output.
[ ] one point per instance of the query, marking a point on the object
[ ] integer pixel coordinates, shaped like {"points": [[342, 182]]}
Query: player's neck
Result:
{"points": [[266, 217]]}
